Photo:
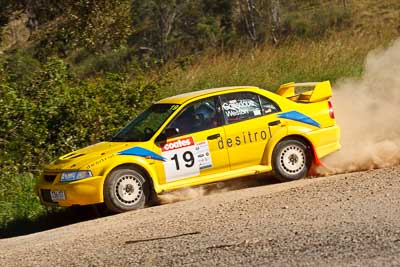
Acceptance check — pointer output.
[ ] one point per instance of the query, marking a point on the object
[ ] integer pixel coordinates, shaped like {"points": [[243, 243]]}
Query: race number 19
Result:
{"points": [[188, 160], [180, 163], [185, 158]]}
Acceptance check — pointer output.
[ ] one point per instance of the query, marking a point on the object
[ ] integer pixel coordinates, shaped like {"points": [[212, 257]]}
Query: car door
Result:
{"points": [[248, 120], [191, 149]]}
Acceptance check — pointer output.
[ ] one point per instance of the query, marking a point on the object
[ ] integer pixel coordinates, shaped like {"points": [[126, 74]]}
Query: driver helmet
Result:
{"points": [[204, 115]]}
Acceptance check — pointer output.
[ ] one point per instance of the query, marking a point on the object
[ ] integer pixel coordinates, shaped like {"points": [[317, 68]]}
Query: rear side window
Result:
{"points": [[240, 106], [268, 106]]}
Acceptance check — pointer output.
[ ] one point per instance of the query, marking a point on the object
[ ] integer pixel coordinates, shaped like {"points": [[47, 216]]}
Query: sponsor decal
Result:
{"points": [[99, 161], [203, 155], [177, 144], [243, 139], [237, 108]]}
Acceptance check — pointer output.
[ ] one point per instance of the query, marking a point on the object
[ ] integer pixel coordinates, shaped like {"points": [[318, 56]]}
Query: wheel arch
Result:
{"points": [[298, 137], [138, 168], [142, 166]]}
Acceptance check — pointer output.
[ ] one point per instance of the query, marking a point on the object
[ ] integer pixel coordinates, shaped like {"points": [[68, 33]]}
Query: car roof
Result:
{"points": [[182, 98]]}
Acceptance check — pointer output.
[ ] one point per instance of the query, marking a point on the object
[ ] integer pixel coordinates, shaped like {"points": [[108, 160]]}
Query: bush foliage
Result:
{"points": [[45, 111]]}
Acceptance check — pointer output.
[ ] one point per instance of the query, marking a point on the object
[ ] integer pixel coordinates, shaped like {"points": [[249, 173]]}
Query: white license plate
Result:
{"points": [[57, 195]]}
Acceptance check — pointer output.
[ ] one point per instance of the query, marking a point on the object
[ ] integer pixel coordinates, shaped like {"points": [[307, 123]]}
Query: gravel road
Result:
{"points": [[350, 219]]}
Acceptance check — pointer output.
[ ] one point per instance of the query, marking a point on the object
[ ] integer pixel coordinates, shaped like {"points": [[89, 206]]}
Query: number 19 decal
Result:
{"points": [[188, 159], [185, 158]]}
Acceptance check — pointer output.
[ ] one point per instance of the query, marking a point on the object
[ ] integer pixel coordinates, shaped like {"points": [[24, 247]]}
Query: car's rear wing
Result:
{"points": [[321, 91]]}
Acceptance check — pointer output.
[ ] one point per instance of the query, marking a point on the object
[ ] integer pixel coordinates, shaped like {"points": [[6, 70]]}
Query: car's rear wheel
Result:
{"points": [[126, 189], [291, 160]]}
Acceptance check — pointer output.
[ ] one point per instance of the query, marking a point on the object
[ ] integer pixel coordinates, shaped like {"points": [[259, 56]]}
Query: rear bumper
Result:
{"points": [[83, 192], [325, 140]]}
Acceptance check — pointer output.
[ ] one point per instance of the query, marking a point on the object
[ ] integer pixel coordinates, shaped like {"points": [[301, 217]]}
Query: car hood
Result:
{"points": [[85, 157]]}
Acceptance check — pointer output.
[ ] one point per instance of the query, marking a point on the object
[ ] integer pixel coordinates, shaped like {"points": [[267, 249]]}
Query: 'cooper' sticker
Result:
{"points": [[184, 158]]}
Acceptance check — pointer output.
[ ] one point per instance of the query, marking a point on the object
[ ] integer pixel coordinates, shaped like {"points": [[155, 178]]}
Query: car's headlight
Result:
{"points": [[75, 175]]}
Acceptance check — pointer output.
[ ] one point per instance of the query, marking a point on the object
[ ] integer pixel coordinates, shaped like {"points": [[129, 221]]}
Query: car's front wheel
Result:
{"points": [[125, 189], [291, 160]]}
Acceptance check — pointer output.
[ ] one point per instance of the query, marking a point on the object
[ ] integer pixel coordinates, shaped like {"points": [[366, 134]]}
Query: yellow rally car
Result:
{"points": [[197, 138]]}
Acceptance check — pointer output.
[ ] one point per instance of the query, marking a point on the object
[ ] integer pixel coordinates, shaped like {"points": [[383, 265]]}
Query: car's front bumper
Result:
{"points": [[82, 192]]}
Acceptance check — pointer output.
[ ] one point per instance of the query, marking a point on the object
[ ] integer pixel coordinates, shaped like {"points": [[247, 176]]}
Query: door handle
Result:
{"points": [[274, 123], [214, 136]]}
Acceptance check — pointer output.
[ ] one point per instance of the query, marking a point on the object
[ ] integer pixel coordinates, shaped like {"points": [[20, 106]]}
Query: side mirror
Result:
{"points": [[167, 133]]}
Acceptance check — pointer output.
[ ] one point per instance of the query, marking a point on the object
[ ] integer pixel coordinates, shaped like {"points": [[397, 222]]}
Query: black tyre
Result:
{"points": [[291, 160], [125, 189]]}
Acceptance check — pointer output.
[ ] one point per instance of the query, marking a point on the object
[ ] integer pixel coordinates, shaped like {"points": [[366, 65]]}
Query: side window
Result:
{"points": [[268, 106], [240, 106], [198, 116]]}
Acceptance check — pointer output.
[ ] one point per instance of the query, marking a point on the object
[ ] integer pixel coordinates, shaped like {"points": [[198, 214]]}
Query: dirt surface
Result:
{"points": [[350, 219]]}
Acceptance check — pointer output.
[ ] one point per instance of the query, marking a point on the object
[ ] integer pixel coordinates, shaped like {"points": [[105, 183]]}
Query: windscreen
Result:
{"points": [[143, 127]]}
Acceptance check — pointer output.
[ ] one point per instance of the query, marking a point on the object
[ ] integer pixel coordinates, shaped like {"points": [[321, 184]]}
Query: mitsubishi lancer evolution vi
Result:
{"points": [[198, 138]]}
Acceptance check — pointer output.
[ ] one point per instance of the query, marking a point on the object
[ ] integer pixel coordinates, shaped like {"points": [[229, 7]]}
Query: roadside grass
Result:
{"points": [[49, 220], [21, 212], [373, 17], [17, 199], [338, 56]]}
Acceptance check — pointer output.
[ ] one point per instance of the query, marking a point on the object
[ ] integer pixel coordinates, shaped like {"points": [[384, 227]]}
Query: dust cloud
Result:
{"points": [[368, 112], [182, 194], [204, 190]]}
